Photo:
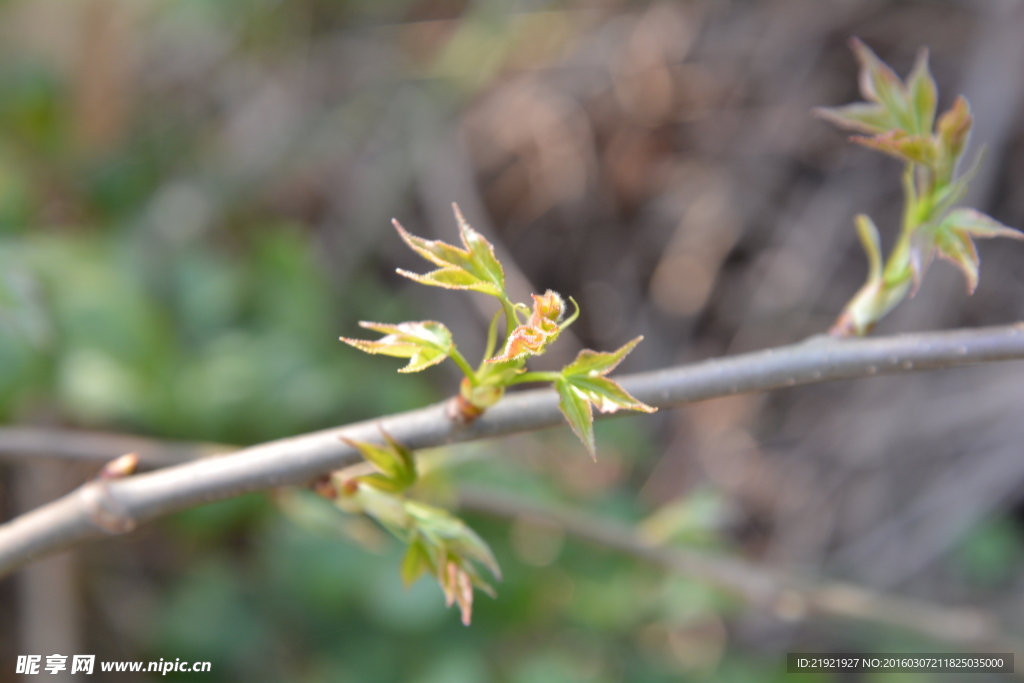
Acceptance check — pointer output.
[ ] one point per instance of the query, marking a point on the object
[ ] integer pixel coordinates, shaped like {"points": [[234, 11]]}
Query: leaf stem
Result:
{"points": [[511, 319], [535, 377], [466, 368]]}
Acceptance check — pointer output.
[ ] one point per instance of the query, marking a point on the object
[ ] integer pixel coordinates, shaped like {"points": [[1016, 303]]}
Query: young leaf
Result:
{"points": [[597, 363], [577, 411], [954, 129], [879, 83], [923, 94], [583, 383], [868, 234], [416, 563], [862, 117], [919, 149], [473, 267], [424, 343], [451, 532], [396, 463], [952, 241], [540, 330], [458, 588]]}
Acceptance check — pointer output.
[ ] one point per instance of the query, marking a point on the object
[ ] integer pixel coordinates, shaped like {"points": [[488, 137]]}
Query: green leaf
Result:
{"points": [[977, 224], [396, 463], [606, 395], [868, 234], [952, 240], [416, 563], [920, 149], [583, 383], [879, 83], [447, 530], [923, 94], [576, 408], [473, 267], [424, 343], [863, 117], [590, 362], [404, 455], [954, 130]]}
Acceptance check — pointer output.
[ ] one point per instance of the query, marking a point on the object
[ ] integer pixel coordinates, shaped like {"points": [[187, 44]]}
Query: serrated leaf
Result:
{"points": [[576, 408], [424, 343], [599, 362], [474, 267], [524, 341], [863, 117], [953, 240], [548, 309], [923, 94], [416, 563], [606, 395], [582, 383], [879, 83]]}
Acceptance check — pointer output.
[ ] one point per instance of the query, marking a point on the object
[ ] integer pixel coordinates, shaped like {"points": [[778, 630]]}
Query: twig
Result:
{"points": [[118, 506], [789, 597], [100, 447]]}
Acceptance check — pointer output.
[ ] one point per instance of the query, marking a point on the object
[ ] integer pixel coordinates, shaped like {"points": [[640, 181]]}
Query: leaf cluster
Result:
{"points": [[899, 119], [439, 543], [528, 331]]}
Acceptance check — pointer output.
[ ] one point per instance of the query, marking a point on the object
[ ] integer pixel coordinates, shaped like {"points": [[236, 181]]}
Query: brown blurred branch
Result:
{"points": [[118, 506], [789, 597]]}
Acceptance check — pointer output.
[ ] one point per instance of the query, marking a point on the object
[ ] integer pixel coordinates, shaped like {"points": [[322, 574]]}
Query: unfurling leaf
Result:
{"points": [[582, 384], [919, 149], [540, 330], [396, 463], [952, 240], [416, 563], [954, 128], [862, 117], [868, 234], [444, 529], [923, 94], [458, 588], [473, 267], [424, 343], [880, 84]]}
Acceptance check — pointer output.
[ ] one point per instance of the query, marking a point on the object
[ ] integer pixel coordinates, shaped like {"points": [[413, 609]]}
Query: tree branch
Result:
{"points": [[99, 447], [117, 506], [790, 598]]}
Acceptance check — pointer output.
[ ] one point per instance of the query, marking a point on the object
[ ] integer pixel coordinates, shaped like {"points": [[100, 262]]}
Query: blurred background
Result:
{"points": [[195, 199]]}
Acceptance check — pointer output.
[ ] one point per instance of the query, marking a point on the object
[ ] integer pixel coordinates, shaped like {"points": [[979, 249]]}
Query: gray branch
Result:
{"points": [[100, 508]]}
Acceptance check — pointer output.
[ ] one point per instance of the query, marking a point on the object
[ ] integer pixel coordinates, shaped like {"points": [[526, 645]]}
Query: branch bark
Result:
{"points": [[100, 508]]}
